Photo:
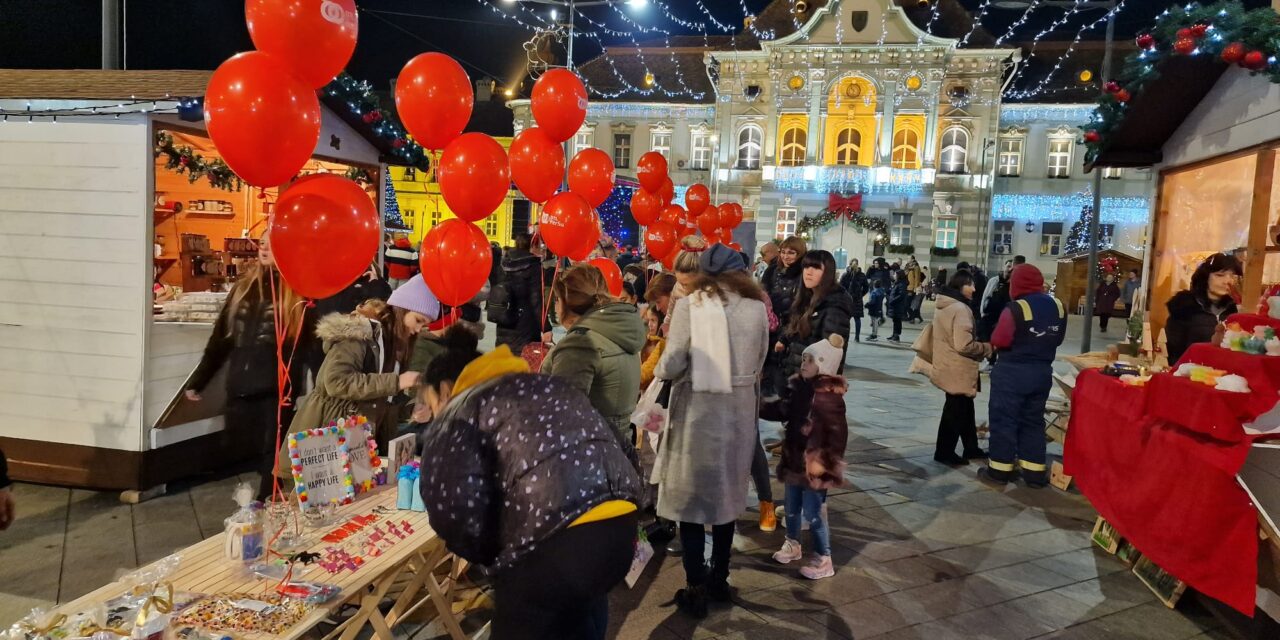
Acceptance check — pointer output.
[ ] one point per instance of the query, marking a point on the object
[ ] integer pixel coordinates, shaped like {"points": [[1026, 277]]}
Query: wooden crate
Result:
{"points": [[1105, 536], [1167, 588]]}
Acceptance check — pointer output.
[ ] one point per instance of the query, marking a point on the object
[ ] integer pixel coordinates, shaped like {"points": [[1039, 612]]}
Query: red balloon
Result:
{"points": [[730, 215], [455, 260], [434, 98], [591, 176], [645, 207], [661, 239], [537, 164], [323, 235], [673, 215], [697, 199], [667, 192], [612, 274], [559, 103], [709, 222], [313, 38], [264, 122], [567, 224], [670, 260], [711, 238], [474, 176], [651, 170]]}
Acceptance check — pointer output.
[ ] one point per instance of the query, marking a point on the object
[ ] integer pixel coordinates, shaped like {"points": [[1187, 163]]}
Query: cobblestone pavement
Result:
{"points": [[922, 550]]}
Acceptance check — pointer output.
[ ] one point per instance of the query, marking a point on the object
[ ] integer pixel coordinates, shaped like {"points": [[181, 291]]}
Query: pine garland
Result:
{"points": [[184, 159], [859, 219], [1223, 31], [358, 96]]}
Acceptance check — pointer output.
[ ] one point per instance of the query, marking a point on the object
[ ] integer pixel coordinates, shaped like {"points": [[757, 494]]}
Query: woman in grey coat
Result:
{"points": [[706, 449]]}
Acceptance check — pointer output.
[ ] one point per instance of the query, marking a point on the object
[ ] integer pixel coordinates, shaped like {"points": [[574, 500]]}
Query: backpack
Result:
{"points": [[502, 308]]}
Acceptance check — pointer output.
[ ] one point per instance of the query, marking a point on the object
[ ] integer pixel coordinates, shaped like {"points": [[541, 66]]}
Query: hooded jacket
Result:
{"points": [[955, 351], [1025, 281], [832, 315], [515, 458], [816, 431], [1192, 320], [856, 285], [782, 284], [350, 381], [600, 357], [401, 259], [523, 280]]}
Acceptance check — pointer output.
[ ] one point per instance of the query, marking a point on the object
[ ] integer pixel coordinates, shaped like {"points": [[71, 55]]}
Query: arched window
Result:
{"points": [[906, 149], [750, 139], [794, 139], [955, 150], [848, 144]]}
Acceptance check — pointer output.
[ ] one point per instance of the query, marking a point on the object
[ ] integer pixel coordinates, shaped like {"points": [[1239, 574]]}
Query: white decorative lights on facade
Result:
{"points": [[846, 179]]}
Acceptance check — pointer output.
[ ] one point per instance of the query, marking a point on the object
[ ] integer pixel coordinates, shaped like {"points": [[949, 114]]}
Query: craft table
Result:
{"points": [[418, 559]]}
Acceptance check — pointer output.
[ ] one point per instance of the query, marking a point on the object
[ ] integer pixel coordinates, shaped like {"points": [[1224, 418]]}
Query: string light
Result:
{"points": [[1026, 113], [1057, 208], [1026, 15], [848, 180], [1039, 88], [977, 22], [1053, 26]]}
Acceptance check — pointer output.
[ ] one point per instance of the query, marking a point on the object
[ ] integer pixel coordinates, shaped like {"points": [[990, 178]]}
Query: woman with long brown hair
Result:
{"points": [[260, 307], [821, 308], [781, 281]]}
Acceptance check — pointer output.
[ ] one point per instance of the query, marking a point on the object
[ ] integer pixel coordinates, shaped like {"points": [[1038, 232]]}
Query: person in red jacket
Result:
{"points": [[402, 261]]}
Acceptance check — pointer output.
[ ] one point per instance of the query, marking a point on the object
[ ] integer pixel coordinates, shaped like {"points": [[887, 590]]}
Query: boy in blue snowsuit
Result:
{"points": [[1028, 334], [875, 307]]}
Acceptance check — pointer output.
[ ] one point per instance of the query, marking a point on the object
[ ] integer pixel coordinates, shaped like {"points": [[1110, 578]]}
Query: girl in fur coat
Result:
{"points": [[812, 451]]}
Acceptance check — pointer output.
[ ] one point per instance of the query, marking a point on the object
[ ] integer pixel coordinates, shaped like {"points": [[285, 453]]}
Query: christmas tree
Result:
{"points": [[1078, 238], [391, 210]]}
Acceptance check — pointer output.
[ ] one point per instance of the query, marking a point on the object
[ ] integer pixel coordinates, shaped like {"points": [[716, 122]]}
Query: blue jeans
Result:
{"points": [[811, 501]]}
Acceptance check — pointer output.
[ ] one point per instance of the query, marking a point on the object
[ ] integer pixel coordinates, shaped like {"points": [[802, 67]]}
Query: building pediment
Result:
{"points": [[855, 22]]}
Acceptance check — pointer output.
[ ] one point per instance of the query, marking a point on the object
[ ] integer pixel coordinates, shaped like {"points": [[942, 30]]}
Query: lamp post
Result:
{"points": [[1094, 224], [570, 8]]}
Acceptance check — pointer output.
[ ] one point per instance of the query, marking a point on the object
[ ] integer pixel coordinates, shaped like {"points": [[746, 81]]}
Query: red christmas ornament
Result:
{"points": [[1233, 53], [377, 116], [1145, 41], [183, 160], [1184, 33], [1254, 61], [368, 118], [1092, 137], [1123, 95], [1199, 29], [1184, 46], [398, 143], [1112, 86]]}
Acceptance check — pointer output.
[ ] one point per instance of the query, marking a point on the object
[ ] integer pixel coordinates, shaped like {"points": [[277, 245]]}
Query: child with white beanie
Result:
{"points": [[814, 440]]}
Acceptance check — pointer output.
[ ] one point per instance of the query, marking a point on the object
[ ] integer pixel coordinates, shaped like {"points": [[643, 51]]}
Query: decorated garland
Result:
{"points": [[1223, 30], [904, 249], [185, 160], [859, 219], [943, 252], [359, 97]]}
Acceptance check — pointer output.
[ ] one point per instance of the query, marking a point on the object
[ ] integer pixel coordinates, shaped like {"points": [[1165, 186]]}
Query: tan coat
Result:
{"points": [[956, 353]]}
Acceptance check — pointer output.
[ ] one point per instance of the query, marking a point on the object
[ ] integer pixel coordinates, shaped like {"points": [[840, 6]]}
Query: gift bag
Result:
{"points": [[640, 559], [407, 485], [417, 504]]}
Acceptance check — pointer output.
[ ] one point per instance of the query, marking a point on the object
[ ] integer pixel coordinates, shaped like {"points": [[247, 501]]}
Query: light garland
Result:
{"points": [[1028, 113], [124, 108], [1040, 87], [977, 22], [830, 179], [1053, 26], [614, 213], [643, 110], [1026, 15], [1056, 208]]}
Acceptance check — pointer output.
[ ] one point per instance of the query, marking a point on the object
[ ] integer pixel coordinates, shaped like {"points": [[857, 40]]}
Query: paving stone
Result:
{"points": [[1081, 564], [100, 543], [862, 619], [930, 602]]}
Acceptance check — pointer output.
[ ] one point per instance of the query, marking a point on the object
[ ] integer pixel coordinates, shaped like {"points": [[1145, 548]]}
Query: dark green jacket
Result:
{"points": [[600, 356]]}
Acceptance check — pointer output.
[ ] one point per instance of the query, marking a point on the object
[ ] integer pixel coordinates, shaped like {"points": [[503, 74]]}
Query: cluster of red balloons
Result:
{"points": [[666, 223], [263, 116]]}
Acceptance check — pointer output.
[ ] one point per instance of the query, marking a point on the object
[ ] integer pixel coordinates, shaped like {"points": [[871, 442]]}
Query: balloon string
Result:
{"points": [[546, 304], [284, 384]]}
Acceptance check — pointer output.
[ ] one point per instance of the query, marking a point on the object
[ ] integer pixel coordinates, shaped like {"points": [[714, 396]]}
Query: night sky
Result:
{"points": [[199, 34]]}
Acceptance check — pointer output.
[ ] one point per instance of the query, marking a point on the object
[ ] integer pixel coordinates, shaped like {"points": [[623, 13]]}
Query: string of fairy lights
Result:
{"points": [[667, 22]]}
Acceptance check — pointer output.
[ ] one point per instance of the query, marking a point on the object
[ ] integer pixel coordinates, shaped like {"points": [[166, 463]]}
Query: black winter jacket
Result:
{"points": [[832, 316], [855, 283], [782, 285], [523, 280], [1192, 320], [513, 461], [4, 471], [895, 305]]}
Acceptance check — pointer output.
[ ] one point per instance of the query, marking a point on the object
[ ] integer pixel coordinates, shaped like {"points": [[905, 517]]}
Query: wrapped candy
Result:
{"points": [[1232, 383], [40, 625]]}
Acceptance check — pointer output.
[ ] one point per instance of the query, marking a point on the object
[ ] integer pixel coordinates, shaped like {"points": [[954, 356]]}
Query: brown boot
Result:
{"points": [[768, 520]]}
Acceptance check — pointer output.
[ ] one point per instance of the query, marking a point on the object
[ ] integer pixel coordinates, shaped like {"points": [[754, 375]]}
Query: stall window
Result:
{"points": [[660, 141], [1010, 157], [1002, 237], [900, 232], [946, 232], [848, 145], [1050, 238], [701, 156], [786, 226], [955, 150], [622, 150], [1060, 157], [1112, 173], [750, 139]]}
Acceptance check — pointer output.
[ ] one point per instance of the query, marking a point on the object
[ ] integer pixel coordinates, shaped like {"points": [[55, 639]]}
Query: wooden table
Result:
{"points": [[431, 572]]}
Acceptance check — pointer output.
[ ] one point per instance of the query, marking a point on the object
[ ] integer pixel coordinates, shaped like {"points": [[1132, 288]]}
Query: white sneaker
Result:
{"points": [[819, 570], [790, 552]]}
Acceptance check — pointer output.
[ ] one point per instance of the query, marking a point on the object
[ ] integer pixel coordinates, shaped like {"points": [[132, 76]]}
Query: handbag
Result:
{"points": [[923, 346], [534, 353]]}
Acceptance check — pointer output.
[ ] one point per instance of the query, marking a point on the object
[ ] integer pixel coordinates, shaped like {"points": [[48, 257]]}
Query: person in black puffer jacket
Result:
{"points": [[1196, 313], [821, 309], [781, 282], [855, 283], [521, 284], [244, 339], [522, 476], [895, 304]]}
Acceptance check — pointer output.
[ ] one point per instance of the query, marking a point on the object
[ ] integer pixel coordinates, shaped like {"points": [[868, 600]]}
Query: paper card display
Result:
{"points": [[400, 452], [363, 451], [321, 466]]}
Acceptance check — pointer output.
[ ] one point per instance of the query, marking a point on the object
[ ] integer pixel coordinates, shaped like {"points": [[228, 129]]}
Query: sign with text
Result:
{"points": [[321, 466], [363, 452]]}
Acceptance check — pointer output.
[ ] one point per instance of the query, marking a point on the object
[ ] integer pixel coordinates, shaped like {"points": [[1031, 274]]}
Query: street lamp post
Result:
{"points": [[1094, 224]]}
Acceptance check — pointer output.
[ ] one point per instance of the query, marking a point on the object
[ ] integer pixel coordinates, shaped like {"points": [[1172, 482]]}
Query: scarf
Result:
{"points": [[709, 344]]}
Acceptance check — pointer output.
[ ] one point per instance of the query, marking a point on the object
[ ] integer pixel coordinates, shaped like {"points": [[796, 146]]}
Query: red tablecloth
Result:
{"points": [[1170, 491], [1262, 372]]}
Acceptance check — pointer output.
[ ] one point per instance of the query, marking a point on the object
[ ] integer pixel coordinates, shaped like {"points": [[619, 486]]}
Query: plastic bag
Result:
{"points": [[649, 414]]}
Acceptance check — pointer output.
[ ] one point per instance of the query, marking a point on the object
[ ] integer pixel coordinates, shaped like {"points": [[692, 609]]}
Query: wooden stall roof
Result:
{"points": [[98, 84]]}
